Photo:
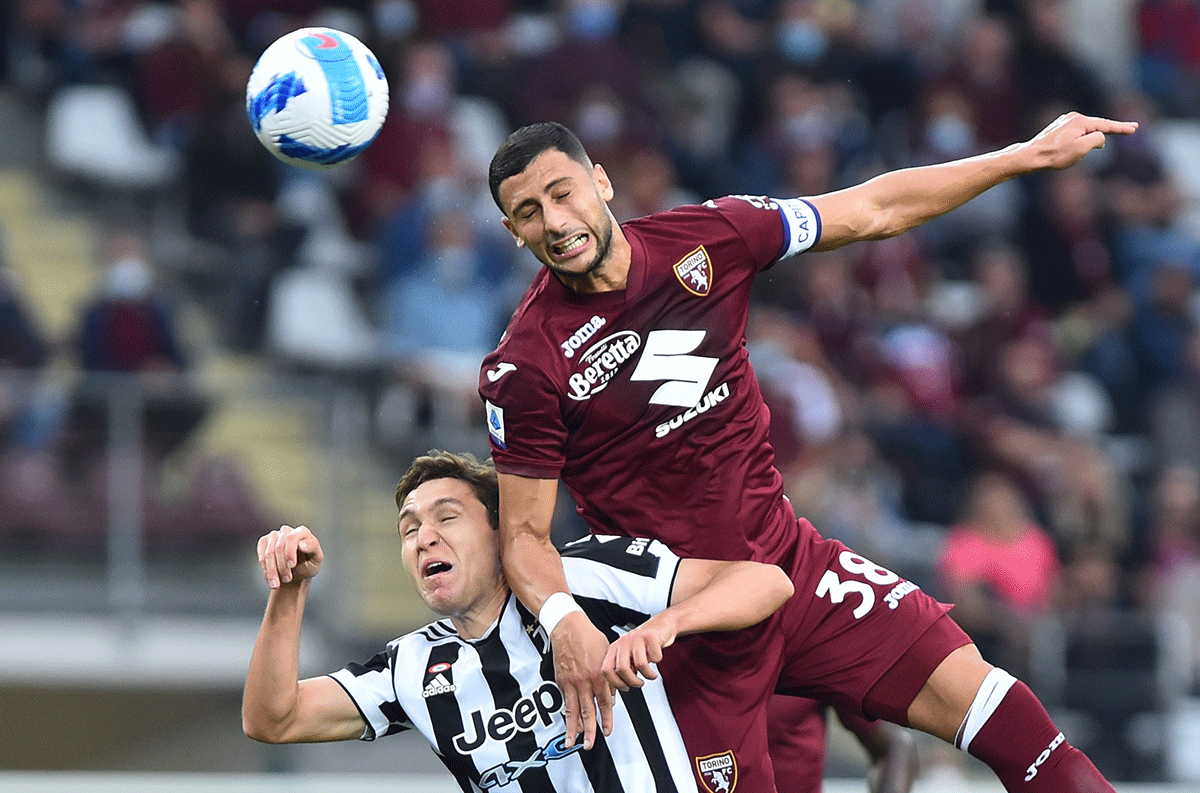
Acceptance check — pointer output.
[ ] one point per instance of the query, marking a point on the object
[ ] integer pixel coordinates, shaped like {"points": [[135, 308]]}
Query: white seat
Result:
{"points": [[93, 132]]}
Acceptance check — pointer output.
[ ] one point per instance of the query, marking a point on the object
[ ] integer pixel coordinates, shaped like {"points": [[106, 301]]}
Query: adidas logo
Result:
{"points": [[439, 685]]}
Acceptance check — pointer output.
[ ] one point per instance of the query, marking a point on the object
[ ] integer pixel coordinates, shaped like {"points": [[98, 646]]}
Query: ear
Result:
{"points": [[603, 184], [516, 237]]}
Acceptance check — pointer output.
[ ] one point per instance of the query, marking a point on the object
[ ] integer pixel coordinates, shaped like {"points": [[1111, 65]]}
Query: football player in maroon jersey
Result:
{"points": [[624, 374]]}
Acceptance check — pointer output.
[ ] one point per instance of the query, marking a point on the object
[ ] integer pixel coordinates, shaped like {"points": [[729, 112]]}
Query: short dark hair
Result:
{"points": [[436, 464], [523, 146]]}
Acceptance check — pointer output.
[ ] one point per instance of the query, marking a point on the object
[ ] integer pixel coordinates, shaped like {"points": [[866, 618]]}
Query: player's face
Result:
{"points": [[557, 208], [450, 550]]}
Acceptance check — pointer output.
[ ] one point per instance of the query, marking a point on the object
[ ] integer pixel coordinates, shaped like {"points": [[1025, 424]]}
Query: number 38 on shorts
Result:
{"points": [[836, 588]]}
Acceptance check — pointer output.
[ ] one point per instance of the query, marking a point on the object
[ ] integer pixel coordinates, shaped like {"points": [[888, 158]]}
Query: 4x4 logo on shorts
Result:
{"points": [[695, 272], [718, 772]]}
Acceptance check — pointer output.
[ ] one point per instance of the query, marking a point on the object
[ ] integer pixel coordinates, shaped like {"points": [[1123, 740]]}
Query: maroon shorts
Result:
{"points": [[848, 625], [849, 622]]}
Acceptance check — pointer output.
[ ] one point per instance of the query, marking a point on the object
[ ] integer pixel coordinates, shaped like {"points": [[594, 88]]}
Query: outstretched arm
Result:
{"points": [[277, 707], [708, 596], [895, 202], [535, 572]]}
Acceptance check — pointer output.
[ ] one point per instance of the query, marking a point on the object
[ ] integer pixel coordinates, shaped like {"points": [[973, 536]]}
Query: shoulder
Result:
{"points": [[639, 555]]}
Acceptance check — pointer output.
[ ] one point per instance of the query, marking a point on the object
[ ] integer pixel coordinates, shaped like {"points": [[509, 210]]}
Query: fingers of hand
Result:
{"points": [[582, 714], [620, 673], [571, 714], [264, 544], [604, 700], [285, 553]]}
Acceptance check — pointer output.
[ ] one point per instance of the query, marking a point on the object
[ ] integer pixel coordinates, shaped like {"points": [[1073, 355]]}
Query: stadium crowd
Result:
{"points": [[1003, 405]]}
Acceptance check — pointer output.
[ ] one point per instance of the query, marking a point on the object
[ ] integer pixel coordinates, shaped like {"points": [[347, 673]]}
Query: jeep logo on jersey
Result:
{"points": [[540, 706], [718, 772], [601, 362], [695, 272], [582, 335]]}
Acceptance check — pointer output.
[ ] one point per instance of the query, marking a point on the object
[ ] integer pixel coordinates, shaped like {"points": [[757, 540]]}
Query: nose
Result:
{"points": [[555, 218], [427, 535]]}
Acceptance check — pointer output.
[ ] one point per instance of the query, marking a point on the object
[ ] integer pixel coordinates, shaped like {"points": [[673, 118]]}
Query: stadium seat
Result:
{"points": [[93, 133]]}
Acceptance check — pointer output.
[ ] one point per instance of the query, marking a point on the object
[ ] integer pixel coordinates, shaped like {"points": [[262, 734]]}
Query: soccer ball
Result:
{"points": [[317, 97]]}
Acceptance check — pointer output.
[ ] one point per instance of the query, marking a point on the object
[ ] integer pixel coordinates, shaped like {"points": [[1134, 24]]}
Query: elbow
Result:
{"points": [[263, 730], [782, 584]]}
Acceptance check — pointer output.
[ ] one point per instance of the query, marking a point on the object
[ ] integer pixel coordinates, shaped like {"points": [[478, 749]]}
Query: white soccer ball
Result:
{"points": [[317, 97]]}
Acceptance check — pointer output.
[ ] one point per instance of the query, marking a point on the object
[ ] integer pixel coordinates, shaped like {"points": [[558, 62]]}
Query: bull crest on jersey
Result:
{"points": [[718, 772], [695, 272]]}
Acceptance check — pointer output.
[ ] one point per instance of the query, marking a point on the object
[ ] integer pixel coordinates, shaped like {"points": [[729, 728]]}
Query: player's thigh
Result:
{"points": [[849, 622]]}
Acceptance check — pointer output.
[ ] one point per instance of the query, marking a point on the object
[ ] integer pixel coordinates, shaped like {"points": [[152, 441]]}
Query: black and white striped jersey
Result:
{"points": [[491, 708]]}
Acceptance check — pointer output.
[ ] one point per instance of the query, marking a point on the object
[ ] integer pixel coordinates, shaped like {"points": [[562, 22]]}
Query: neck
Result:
{"points": [[475, 620]]}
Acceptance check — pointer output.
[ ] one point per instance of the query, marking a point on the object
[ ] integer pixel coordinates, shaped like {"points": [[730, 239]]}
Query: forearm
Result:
{"points": [[271, 696], [741, 594], [531, 562], [898, 201], [533, 568]]}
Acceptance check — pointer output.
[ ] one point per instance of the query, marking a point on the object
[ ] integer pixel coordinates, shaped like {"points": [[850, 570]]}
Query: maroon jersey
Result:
{"points": [[643, 401]]}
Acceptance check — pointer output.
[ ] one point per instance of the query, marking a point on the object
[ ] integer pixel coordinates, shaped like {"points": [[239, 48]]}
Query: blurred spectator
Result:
{"points": [[1175, 532], [1146, 204], [24, 351], [1168, 64], [437, 323], [838, 309], [798, 386], [1162, 327], [1025, 427], [647, 185], [129, 328], [913, 393], [737, 35], [948, 130], [588, 80], [1000, 569], [983, 68], [1054, 78], [811, 132], [432, 135], [1007, 312], [1064, 240], [446, 19], [1173, 423]]}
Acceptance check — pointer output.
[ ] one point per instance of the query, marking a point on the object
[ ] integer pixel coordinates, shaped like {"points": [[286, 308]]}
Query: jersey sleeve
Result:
{"points": [[633, 574], [524, 420], [772, 228], [373, 691]]}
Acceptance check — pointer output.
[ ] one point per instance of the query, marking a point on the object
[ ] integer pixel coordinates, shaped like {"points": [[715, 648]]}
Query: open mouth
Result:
{"points": [[570, 245], [434, 568]]}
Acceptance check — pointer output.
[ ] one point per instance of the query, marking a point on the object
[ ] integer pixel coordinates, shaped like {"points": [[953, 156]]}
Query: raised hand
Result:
{"points": [[289, 554], [1069, 137]]}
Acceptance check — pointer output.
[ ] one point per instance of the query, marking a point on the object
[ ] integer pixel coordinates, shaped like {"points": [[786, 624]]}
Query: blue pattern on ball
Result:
{"points": [[347, 89], [274, 97], [303, 151]]}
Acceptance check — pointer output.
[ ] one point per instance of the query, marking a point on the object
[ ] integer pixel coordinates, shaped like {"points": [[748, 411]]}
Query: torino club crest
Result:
{"points": [[695, 272], [718, 772]]}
